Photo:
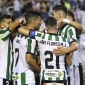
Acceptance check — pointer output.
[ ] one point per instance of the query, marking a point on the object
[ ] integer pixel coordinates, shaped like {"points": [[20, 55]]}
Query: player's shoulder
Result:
{"points": [[2, 31], [70, 26]]}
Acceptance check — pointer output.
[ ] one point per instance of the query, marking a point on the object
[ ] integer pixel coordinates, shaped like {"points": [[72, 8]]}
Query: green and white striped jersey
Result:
{"points": [[46, 45], [68, 32], [21, 46], [5, 54]]}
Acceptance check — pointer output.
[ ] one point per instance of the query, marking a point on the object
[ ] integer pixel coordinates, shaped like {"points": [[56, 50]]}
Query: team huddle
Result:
{"points": [[51, 54]]}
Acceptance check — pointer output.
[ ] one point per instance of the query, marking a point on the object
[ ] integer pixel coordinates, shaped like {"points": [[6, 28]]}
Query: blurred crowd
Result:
{"points": [[15, 8]]}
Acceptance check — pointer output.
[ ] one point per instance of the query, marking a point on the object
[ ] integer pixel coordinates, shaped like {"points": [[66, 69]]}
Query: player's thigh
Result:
{"points": [[77, 77]]}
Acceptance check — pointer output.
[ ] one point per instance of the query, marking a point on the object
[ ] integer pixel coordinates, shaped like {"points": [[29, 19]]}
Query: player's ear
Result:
{"points": [[33, 22], [60, 16]]}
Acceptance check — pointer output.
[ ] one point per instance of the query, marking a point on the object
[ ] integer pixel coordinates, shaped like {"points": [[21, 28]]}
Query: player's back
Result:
{"points": [[16, 46], [46, 46], [21, 68], [20, 45]]}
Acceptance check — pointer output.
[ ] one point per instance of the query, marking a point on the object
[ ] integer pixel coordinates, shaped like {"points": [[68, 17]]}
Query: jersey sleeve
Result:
{"points": [[31, 46], [5, 33], [71, 35], [37, 50], [36, 35]]}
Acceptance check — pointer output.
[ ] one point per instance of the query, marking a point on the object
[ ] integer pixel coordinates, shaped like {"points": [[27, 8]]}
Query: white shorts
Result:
{"points": [[74, 76], [77, 76], [71, 73], [1, 81]]}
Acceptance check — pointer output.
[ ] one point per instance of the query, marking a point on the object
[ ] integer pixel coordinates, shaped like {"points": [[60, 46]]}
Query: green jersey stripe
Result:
{"points": [[56, 38], [29, 45], [60, 31], [57, 78], [64, 76], [65, 35], [43, 36], [50, 78], [50, 37], [23, 78], [64, 40], [5, 38], [71, 32], [3, 31], [39, 34], [8, 61], [43, 75]]}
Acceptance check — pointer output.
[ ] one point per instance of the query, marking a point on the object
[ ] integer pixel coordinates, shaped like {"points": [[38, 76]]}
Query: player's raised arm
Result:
{"points": [[70, 19], [16, 23], [77, 26], [23, 31]]}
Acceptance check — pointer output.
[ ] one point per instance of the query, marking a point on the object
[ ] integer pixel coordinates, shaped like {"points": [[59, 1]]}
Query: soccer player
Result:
{"points": [[24, 48], [75, 56], [70, 20], [50, 61], [52, 66], [6, 27], [65, 30]]}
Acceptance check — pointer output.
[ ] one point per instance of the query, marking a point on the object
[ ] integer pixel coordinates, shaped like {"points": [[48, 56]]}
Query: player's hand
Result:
{"points": [[19, 21], [60, 51]]}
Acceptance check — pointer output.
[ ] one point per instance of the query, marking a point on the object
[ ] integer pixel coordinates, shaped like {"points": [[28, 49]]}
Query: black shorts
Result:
{"points": [[7, 82], [81, 73], [47, 81]]}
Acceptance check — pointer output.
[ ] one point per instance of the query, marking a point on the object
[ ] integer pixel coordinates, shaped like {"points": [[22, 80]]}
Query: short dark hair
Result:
{"points": [[4, 17], [60, 8], [70, 13], [51, 22], [31, 15]]}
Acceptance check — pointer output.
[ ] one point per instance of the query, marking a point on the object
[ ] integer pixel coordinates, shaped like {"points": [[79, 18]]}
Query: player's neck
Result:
{"points": [[29, 27], [52, 31]]}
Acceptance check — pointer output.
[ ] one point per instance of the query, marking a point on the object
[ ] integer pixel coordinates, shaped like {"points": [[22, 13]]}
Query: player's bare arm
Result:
{"points": [[68, 59], [17, 22], [32, 62], [23, 31], [39, 62], [78, 27], [75, 24]]}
